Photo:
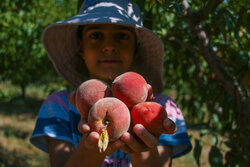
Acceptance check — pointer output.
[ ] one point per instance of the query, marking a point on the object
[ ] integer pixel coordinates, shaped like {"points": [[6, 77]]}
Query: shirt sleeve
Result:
{"points": [[53, 121], [180, 140]]}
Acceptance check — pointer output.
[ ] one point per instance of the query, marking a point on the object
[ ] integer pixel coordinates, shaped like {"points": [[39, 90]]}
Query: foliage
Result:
{"points": [[23, 58], [201, 93]]}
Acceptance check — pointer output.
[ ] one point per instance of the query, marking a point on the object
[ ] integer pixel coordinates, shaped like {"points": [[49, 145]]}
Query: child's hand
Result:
{"points": [[83, 126], [146, 140], [91, 139], [169, 126]]}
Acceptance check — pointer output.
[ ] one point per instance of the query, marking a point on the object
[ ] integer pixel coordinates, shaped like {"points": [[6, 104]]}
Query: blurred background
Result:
{"points": [[206, 71]]}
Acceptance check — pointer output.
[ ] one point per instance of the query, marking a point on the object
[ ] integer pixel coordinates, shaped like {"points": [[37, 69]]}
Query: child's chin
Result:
{"points": [[111, 75]]}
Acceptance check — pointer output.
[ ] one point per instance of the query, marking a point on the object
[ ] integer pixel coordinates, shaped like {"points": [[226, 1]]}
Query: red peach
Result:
{"points": [[110, 117], [131, 88], [151, 115], [88, 93]]}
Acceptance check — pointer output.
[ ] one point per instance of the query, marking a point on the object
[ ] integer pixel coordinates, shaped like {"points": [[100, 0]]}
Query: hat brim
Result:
{"points": [[60, 42]]}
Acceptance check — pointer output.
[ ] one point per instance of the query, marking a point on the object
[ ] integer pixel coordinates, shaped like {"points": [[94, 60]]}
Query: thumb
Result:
{"points": [[169, 126], [83, 126]]}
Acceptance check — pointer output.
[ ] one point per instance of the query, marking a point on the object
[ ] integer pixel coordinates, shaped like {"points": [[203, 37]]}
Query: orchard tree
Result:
{"points": [[23, 58], [207, 62]]}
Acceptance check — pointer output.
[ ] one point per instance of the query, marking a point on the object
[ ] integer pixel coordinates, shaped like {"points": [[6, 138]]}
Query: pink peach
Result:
{"points": [[131, 88], [110, 117], [88, 93]]}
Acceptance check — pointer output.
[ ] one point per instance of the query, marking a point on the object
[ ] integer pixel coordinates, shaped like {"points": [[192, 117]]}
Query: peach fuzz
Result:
{"points": [[88, 93], [151, 115], [131, 88], [109, 114]]}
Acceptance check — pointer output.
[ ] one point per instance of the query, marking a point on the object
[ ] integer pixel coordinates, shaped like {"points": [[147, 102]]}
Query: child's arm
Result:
{"points": [[86, 154], [158, 156]]}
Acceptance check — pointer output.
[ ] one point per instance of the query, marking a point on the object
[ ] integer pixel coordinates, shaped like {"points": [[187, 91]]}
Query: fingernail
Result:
{"points": [[171, 125], [139, 129]]}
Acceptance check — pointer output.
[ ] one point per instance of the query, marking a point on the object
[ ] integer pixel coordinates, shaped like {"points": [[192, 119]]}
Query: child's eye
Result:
{"points": [[123, 36], [96, 35]]}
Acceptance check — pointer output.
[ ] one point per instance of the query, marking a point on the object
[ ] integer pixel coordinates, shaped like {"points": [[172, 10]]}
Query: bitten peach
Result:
{"points": [[151, 115], [131, 88], [110, 117], [88, 93]]}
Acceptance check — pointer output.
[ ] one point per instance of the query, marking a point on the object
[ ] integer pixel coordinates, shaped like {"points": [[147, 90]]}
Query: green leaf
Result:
{"points": [[215, 157], [203, 132], [215, 139], [197, 151], [177, 8]]}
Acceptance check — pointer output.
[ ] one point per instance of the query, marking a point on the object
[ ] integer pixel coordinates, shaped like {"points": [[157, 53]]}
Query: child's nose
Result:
{"points": [[109, 46]]}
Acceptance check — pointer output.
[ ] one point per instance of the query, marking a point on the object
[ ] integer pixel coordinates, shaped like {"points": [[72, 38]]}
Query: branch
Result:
{"points": [[186, 45], [204, 12]]}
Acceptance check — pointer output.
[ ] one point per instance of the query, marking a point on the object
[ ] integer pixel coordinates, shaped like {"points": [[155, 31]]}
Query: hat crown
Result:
{"points": [[124, 7]]}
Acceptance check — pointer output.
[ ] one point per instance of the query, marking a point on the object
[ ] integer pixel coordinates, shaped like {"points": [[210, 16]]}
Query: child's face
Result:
{"points": [[108, 50]]}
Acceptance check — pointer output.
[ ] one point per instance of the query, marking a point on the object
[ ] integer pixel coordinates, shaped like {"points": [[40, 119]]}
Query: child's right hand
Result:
{"points": [[147, 141], [91, 139]]}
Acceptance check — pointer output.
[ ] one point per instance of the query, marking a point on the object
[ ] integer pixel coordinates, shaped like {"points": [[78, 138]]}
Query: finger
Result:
{"points": [[83, 126], [150, 140], [91, 140], [132, 143], [126, 149], [113, 146], [169, 126]]}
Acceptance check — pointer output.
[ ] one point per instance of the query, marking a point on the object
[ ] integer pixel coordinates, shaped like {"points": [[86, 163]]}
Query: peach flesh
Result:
{"points": [[88, 93], [150, 115], [111, 114], [131, 88]]}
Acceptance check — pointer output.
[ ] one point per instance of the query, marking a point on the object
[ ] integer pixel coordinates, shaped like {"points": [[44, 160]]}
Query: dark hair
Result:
{"points": [[79, 31]]}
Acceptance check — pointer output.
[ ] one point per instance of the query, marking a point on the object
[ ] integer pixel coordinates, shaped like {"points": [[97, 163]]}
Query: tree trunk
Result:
{"points": [[23, 89]]}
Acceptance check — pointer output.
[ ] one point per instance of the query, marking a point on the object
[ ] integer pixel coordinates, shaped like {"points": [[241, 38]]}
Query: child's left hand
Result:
{"points": [[146, 140]]}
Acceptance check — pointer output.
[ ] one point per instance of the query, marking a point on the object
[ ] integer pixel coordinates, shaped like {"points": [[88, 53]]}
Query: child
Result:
{"points": [[104, 40]]}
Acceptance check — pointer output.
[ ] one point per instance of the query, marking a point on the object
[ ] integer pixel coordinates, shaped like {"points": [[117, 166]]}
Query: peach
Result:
{"points": [[131, 88], [151, 115], [88, 93], [110, 117]]}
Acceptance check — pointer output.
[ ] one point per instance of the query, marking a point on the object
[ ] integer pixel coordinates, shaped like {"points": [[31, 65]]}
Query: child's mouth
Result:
{"points": [[109, 61]]}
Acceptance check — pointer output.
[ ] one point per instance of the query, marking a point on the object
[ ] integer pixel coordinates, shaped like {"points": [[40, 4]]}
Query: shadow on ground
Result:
{"points": [[23, 107]]}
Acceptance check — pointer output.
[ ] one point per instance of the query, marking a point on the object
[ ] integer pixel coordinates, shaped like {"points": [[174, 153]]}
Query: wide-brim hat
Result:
{"points": [[60, 41]]}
